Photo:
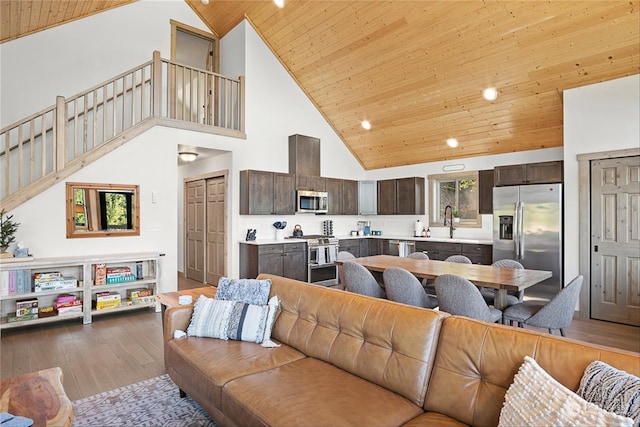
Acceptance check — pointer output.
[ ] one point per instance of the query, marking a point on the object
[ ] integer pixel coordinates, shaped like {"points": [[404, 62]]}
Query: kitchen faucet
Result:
{"points": [[450, 220]]}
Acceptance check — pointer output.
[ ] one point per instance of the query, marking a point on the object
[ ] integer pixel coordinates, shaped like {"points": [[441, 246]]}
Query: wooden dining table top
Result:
{"points": [[480, 275]]}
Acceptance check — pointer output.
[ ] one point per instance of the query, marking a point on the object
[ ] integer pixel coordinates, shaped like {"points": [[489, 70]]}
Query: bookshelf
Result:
{"points": [[138, 278]]}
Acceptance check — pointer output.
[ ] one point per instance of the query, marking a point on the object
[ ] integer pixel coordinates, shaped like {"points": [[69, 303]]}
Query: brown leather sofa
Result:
{"points": [[347, 359]]}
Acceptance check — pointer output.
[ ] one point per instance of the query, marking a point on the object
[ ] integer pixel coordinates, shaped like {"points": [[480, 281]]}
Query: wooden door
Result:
{"points": [[216, 230], [615, 240], [194, 225]]}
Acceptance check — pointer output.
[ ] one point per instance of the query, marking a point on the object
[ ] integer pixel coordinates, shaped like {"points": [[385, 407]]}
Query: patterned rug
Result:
{"points": [[151, 403]]}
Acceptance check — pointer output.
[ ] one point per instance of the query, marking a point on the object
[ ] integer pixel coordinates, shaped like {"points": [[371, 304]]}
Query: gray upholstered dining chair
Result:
{"points": [[402, 286], [457, 295], [343, 255], [555, 314], [513, 297], [430, 289], [359, 280], [459, 258]]}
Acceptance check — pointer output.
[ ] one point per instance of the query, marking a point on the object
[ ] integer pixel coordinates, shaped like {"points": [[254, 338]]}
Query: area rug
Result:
{"points": [[151, 403]]}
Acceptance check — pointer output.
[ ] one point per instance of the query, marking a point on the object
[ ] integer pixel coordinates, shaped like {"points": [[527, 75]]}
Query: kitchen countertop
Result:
{"points": [[389, 237]]}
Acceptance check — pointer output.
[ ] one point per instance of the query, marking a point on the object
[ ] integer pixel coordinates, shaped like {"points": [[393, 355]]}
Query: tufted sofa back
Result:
{"points": [[479, 360], [390, 344]]}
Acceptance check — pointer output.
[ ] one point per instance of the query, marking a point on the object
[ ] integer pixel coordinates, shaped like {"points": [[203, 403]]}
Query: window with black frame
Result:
{"points": [[458, 190]]}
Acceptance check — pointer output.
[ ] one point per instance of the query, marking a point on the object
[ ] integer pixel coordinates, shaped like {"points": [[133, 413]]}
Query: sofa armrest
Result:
{"points": [[176, 318]]}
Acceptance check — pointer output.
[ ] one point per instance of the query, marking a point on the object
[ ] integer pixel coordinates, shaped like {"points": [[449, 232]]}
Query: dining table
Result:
{"points": [[499, 278]]}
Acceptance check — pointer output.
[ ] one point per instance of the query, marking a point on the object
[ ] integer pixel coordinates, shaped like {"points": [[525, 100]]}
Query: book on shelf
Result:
{"points": [[139, 292], [100, 274], [12, 317], [65, 311]]}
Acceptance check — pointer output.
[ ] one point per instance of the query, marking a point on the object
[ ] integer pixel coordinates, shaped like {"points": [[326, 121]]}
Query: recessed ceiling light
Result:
{"points": [[366, 124], [452, 142], [279, 3], [205, 2], [490, 94]]}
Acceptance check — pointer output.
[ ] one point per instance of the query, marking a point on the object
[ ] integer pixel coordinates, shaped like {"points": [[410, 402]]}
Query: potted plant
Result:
{"points": [[8, 230], [456, 215]]}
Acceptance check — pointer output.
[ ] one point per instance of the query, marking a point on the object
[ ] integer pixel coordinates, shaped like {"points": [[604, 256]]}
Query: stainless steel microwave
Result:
{"points": [[312, 201]]}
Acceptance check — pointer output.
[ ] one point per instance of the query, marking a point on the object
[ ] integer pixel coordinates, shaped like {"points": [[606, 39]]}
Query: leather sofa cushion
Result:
{"points": [[390, 344], [478, 361], [309, 392], [207, 364]]}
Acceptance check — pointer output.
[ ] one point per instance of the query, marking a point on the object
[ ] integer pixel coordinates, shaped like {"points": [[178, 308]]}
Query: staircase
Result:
{"points": [[52, 144]]}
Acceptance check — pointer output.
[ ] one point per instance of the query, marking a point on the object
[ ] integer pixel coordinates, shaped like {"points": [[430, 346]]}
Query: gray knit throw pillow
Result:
{"points": [[611, 389]]}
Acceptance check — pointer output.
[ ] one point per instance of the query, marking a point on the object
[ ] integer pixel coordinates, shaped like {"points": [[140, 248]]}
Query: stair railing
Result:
{"points": [[57, 141]]}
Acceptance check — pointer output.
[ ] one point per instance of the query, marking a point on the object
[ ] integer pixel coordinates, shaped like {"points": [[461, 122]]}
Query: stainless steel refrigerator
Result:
{"points": [[527, 227]]}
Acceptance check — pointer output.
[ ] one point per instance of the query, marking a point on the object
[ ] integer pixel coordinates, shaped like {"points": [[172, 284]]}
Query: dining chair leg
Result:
{"points": [[551, 331], [562, 332]]}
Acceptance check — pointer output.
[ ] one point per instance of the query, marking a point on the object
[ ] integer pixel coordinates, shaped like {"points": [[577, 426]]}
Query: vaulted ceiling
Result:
{"points": [[416, 69]]}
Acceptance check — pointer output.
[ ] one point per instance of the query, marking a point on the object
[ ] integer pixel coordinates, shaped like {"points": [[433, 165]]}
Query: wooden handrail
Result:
{"points": [[44, 143]]}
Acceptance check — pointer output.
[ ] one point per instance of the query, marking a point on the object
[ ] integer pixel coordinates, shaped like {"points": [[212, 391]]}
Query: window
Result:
{"points": [[458, 190], [100, 210]]}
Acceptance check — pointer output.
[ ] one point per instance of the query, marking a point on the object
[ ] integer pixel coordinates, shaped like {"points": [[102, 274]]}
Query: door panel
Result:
{"points": [[504, 204], [194, 224], [615, 249], [216, 233]]}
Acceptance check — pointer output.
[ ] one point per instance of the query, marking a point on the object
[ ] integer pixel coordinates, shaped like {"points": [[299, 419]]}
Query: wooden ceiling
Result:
{"points": [[416, 69]]}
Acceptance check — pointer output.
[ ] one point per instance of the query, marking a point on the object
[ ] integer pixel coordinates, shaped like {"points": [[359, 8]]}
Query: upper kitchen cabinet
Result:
{"points": [[311, 183], [387, 197], [367, 197], [531, 173], [304, 155], [267, 193], [410, 194], [402, 196], [485, 192], [343, 196]]}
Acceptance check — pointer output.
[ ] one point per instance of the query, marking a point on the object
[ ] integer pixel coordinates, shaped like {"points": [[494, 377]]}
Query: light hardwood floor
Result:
{"points": [[123, 348]]}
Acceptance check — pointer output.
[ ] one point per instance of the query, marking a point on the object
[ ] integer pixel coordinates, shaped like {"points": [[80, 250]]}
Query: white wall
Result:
{"points": [[597, 118]]}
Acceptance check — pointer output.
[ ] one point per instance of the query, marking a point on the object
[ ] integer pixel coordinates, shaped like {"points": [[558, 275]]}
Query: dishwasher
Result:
{"points": [[401, 248]]}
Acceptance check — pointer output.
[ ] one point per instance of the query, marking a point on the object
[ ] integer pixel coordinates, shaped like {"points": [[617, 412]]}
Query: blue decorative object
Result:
{"points": [[10, 420]]}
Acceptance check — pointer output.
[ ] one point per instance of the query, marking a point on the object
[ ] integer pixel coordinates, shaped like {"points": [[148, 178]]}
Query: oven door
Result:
{"points": [[326, 275]]}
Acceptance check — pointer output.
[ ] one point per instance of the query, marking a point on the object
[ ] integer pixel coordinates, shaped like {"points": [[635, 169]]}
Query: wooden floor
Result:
{"points": [[124, 348]]}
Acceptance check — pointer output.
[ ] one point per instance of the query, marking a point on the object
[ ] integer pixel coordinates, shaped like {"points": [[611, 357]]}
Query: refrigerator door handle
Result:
{"points": [[521, 231], [516, 231]]}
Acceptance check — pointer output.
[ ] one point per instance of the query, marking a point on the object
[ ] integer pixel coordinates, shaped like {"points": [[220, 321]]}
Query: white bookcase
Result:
{"points": [[83, 269]]}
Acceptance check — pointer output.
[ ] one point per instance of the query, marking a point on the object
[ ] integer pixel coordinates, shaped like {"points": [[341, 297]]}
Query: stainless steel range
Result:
{"points": [[322, 252]]}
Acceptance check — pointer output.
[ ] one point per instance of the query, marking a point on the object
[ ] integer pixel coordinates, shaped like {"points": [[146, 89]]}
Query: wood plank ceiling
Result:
{"points": [[416, 69]]}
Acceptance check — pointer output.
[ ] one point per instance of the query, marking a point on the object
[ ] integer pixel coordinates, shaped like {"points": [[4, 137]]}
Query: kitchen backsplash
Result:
{"points": [[343, 225]]}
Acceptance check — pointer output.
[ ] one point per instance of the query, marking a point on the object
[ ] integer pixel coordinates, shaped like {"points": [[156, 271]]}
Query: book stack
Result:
{"points": [[15, 282], [140, 296], [53, 280], [66, 304], [119, 275], [106, 300], [26, 309]]}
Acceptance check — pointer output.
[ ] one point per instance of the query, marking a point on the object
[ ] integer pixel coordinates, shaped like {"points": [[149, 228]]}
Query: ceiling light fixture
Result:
{"points": [[452, 142], [490, 94], [187, 156], [279, 3], [366, 124], [205, 2]]}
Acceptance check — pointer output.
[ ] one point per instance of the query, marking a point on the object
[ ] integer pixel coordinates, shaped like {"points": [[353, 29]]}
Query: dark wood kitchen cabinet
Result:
{"points": [[343, 196], [267, 193], [387, 197], [304, 155], [402, 196], [350, 245], [478, 253], [439, 251], [282, 259], [311, 183], [530, 173], [485, 192]]}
